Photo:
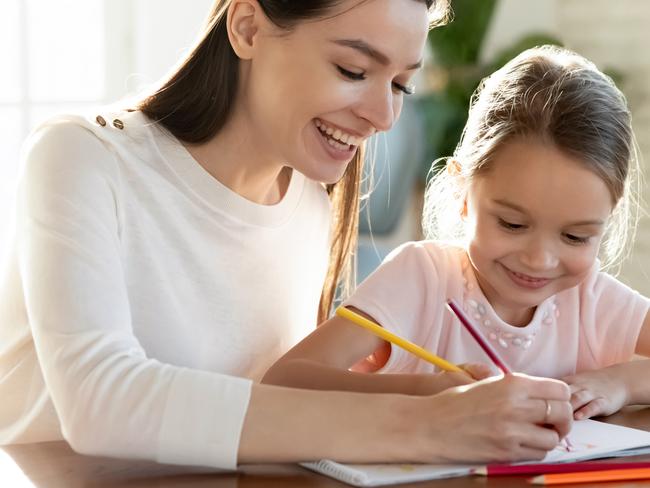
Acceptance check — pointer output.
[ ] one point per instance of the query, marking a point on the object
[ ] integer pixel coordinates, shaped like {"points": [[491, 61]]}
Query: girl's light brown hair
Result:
{"points": [[556, 96], [195, 102]]}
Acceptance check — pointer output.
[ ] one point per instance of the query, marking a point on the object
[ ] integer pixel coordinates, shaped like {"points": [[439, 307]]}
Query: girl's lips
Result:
{"points": [[343, 155], [526, 281]]}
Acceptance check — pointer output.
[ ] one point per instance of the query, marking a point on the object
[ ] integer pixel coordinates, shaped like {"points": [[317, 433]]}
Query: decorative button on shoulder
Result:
{"points": [[100, 120], [118, 124]]}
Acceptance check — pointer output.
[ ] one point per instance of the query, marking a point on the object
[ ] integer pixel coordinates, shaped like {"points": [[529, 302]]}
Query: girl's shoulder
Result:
{"points": [[429, 254]]}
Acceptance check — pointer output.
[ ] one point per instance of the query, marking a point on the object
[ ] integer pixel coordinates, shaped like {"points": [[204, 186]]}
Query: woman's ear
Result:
{"points": [[243, 23]]}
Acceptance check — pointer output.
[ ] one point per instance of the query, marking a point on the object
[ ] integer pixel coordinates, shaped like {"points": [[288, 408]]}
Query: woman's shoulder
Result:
{"points": [[84, 143]]}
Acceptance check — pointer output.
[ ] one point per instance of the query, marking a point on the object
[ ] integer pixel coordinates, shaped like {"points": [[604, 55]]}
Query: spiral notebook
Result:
{"points": [[589, 439]]}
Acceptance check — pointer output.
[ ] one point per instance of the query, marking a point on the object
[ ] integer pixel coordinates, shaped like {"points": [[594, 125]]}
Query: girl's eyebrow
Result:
{"points": [[373, 53], [514, 206]]}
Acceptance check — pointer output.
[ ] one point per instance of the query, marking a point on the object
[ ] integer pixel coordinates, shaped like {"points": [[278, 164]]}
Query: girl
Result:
{"points": [[156, 273], [539, 183]]}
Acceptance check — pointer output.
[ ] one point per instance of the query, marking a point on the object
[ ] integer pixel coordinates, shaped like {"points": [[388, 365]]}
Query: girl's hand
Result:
{"points": [[430, 384], [598, 392], [478, 371]]}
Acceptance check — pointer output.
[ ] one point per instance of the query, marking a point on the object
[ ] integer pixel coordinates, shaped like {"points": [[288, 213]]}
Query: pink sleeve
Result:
{"points": [[398, 296], [611, 316]]}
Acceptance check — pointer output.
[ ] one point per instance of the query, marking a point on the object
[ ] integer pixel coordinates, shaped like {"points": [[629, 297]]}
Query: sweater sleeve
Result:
{"points": [[111, 399]]}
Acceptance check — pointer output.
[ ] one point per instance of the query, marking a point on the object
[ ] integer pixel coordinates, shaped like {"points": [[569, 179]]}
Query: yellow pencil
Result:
{"points": [[378, 330]]}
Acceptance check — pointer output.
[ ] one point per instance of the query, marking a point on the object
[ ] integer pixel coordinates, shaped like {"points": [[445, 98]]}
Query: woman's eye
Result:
{"points": [[351, 74], [407, 90], [573, 239]]}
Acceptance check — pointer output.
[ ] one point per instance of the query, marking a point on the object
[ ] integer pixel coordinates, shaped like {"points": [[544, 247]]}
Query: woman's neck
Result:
{"points": [[235, 159]]}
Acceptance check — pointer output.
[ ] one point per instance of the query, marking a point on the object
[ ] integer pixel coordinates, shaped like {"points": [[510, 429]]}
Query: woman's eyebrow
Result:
{"points": [[372, 52]]}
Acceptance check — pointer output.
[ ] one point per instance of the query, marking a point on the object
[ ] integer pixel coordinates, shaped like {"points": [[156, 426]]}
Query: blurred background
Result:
{"points": [[69, 55]]}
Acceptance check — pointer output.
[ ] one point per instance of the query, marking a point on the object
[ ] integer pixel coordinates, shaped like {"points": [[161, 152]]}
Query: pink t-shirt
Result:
{"points": [[590, 326]]}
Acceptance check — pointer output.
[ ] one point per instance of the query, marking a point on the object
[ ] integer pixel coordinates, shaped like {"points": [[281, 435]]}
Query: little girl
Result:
{"points": [[538, 185]]}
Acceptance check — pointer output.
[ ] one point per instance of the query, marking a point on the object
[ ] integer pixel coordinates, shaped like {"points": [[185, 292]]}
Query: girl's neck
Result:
{"points": [[517, 317]]}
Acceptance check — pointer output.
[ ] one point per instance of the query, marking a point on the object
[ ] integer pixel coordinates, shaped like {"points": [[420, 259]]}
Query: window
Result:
{"points": [[57, 62]]}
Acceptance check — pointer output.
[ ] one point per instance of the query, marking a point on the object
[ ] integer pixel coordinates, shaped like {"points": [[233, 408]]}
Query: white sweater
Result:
{"points": [[142, 296]]}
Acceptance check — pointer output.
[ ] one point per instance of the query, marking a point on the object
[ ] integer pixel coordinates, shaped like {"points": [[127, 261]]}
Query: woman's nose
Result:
{"points": [[380, 107]]}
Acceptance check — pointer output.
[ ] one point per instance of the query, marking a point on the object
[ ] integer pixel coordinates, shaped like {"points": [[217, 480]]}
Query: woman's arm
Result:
{"points": [[498, 419], [323, 360], [110, 398]]}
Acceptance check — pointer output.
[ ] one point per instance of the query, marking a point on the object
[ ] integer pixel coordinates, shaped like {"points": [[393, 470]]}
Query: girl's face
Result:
{"points": [[535, 220], [314, 94]]}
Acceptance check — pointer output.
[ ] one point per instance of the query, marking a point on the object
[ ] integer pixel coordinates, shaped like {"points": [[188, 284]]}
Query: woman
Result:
{"points": [[166, 256]]}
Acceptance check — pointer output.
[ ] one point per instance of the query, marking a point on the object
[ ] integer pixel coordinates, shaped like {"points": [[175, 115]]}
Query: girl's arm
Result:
{"points": [[323, 360], [607, 390], [499, 419]]}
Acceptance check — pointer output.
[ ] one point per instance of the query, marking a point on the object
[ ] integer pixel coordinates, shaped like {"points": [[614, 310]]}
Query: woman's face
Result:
{"points": [[312, 95]]}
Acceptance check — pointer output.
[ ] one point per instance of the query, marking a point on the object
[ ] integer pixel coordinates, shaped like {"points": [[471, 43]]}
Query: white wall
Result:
{"points": [[165, 31], [616, 34]]}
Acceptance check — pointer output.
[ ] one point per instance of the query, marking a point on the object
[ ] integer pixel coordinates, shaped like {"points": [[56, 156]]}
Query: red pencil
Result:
{"points": [[549, 468], [478, 337]]}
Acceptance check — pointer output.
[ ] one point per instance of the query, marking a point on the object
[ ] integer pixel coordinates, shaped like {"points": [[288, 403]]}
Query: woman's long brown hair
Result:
{"points": [[194, 103]]}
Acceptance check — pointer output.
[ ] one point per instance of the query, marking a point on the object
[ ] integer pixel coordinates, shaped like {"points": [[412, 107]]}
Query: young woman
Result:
{"points": [[167, 255]]}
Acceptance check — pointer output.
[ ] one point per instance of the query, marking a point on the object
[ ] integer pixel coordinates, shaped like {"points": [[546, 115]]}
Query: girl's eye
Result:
{"points": [[510, 225], [576, 239], [351, 74]]}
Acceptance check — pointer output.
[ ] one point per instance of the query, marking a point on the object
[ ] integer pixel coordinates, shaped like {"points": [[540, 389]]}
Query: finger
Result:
{"points": [[529, 454], [581, 398], [574, 387], [557, 415], [591, 409], [537, 437], [535, 387], [477, 371], [457, 378]]}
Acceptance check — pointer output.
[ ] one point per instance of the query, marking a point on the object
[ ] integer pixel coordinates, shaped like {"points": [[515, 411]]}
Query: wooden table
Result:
{"points": [[55, 465]]}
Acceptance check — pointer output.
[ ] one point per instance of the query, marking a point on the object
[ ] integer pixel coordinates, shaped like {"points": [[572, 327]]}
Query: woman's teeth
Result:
{"points": [[336, 137]]}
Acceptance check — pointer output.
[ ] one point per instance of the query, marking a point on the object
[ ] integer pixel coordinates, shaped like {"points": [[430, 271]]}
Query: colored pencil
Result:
{"points": [[379, 331], [478, 337], [592, 476], [549, 468]]}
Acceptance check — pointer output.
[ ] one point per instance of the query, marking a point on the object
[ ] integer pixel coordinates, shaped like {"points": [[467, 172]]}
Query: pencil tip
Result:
{"points": [[482, 471]]}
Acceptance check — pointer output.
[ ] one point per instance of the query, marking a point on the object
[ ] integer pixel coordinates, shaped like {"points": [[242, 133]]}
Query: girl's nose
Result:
{"points": [[539, 256]]}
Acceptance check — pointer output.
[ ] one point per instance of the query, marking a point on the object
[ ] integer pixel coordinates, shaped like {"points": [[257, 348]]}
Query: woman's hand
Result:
{"points": [[498, 419], [598, 392]]}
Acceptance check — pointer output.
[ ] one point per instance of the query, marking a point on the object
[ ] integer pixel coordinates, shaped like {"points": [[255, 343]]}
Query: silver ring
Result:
{"points": [[548, 411]]}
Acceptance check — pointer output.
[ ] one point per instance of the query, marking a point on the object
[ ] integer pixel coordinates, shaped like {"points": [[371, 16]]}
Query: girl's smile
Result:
{"points": [[526, 281]]}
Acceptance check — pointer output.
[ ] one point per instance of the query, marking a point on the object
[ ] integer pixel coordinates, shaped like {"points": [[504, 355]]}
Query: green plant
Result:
{"points": [[457, 71]]}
